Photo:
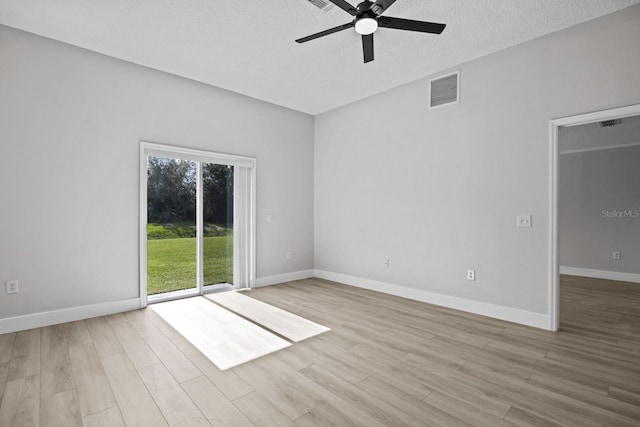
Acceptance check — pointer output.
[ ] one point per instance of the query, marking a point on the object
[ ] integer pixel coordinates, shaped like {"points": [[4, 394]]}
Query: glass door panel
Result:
{"points": [[217, 224], [171, 225]]}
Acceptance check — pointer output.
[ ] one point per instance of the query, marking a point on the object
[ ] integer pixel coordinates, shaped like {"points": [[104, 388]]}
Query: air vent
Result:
{"points": [[323, 5], [609, 123], [444, 90]]}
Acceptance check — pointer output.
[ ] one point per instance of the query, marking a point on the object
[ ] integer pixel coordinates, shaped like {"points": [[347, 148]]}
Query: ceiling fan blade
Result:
{"points": [[367, 47], [325, 32], [381, 5], [342, 4], [410, 25]]}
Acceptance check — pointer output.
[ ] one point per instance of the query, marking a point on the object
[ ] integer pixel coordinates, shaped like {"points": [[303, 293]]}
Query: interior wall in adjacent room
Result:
{"points": [[599, 209]]}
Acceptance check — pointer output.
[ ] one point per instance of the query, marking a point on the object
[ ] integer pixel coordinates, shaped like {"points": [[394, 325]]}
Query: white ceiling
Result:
{"points": [[247, 46]]}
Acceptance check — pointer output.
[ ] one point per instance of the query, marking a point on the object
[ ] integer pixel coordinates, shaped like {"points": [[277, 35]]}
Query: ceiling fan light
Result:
{"points": [[366, 25]]}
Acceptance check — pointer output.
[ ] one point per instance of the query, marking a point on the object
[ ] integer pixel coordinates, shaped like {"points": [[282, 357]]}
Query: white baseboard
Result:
{"points": [[538, 320], [37, 320], [528, 318], [282, 278], [600, 274]]}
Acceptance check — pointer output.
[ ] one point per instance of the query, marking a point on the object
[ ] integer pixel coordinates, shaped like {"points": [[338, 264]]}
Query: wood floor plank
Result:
{"points": [[55, 363], [499, 362], [378, 409], [521, 417], [108, 418], [21, 402], [136, 348], [527, 399], [176, 406], [585, 395], [432, 362], [516, 348], [25, 356], [213, 404], [392, 371], [60, 409], [421, 410], [464, 410], [337, 412], [94, 391], [4, 370], [292, 358], [624, 395], [103, 338], [551, 402], [77, 332], [342, 363], [228, 382], [261, 412], [299, 397], [563, 340], [345, 338], [457, 386], [523, 367], [283, 387], [134, 400], [602, 374], [175, 361], [6, 346]]}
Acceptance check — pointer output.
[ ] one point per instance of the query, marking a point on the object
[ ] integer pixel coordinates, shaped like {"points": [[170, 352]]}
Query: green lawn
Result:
{"points": [[171, 263]]}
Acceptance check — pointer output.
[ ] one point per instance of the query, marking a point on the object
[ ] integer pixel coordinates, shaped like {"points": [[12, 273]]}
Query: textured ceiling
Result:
{"points": [[247, 46]]}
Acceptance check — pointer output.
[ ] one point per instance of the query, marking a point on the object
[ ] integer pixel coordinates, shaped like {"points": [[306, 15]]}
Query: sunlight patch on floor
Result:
{"points": [[225, 338]]}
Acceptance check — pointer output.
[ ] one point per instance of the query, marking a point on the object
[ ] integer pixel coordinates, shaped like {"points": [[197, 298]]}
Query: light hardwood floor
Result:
{"points": [[386, 362]]}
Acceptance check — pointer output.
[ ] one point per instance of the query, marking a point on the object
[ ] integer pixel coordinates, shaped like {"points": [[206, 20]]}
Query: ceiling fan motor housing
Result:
{"points": [[366, 23]]}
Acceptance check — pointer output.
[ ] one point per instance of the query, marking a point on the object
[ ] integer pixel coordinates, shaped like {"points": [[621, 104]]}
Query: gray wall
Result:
{"points": [[437, 191], [592, 182], [70, 125]]}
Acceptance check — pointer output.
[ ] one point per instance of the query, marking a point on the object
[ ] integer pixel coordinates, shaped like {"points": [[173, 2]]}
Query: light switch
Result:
{"points": [[523, 221]]}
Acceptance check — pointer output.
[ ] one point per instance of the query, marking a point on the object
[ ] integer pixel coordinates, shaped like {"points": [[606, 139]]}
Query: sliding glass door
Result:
{"points": [[197, 222]]}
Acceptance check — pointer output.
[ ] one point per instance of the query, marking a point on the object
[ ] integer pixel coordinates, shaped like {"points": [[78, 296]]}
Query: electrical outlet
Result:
{"points": [[12, 287], [617, 255], [386, 263], [289, 255], [523, 221], [471, 275]]}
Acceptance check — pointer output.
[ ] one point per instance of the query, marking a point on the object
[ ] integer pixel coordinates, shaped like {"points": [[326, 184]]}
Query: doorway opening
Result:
{"points": [[557, 127], [196, 222]]}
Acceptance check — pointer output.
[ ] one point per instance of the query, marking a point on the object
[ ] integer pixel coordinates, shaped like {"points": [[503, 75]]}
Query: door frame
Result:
{"points": [[243, 166], [554, 152]]}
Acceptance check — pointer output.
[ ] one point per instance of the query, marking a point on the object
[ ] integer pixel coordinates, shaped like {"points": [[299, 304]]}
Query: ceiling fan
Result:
{"points": [[368, 17]]}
